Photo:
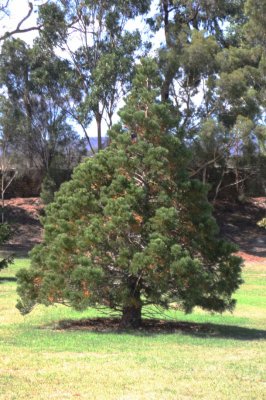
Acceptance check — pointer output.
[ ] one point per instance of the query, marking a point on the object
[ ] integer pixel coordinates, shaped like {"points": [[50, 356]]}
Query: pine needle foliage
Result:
{"points": [[131, 229], [5, 234]]}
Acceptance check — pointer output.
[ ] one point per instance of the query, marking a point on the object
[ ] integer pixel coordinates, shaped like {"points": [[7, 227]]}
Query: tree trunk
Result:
{"points": [[2, 198], [131, 313], [168, 73], [131, 316], [99, 130]]}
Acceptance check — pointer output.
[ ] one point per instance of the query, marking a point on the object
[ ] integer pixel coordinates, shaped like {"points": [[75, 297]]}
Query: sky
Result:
{"points": [[18, 9]]}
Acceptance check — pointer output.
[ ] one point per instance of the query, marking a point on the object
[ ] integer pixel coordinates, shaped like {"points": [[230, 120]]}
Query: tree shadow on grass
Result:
{"points": [[151, 327], [6, 279]]}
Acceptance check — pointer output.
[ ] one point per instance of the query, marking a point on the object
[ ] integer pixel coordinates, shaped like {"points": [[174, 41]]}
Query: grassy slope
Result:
{"points": [[228, 363]]}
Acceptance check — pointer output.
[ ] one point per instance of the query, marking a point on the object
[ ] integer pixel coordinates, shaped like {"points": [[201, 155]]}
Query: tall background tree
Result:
{"points": [[101, 50], [33, 107]]}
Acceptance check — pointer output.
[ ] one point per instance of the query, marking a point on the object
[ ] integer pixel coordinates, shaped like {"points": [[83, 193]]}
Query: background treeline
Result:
{"points": [[212, 61]]}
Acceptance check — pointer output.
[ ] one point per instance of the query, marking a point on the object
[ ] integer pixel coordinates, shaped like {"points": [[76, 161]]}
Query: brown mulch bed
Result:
{"points": [[106, 325]]}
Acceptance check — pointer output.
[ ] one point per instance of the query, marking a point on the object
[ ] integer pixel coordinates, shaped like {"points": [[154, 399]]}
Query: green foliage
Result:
{"points": [[33, 110], [131, 228], [100, 67], [48, 189], [5, 233], [52, 19], [5, 262], [212, 67], [212, 64]]}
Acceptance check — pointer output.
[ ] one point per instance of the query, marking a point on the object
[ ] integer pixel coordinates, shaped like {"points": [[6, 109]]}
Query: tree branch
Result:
{"points": [[18, 28], [26, 17], [215, 158], [3, 7]]}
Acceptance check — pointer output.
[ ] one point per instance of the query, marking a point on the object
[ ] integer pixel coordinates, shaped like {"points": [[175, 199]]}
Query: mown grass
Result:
{"points": [[226, 362]]}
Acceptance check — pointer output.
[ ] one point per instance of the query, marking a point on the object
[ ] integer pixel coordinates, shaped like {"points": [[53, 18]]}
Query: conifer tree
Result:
{"points": [[131, 229]]}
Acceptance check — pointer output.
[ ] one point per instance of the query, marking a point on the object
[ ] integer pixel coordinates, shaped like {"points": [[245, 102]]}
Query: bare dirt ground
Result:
{"points": [[23, 214], [238, 223]]}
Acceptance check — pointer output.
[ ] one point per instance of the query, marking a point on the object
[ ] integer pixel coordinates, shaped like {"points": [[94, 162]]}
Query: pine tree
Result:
{"points": [[131, 229]]}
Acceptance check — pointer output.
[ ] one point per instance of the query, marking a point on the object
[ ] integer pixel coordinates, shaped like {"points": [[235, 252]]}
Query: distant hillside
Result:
{"points": [[94, 143]]}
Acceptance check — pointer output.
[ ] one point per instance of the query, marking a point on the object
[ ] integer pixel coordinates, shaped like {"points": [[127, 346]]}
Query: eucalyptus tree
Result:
{"points": [[101, 50], [33, 104]]}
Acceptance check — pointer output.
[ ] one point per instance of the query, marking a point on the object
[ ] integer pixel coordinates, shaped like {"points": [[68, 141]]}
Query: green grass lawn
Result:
{"points": [[228, 362]]}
